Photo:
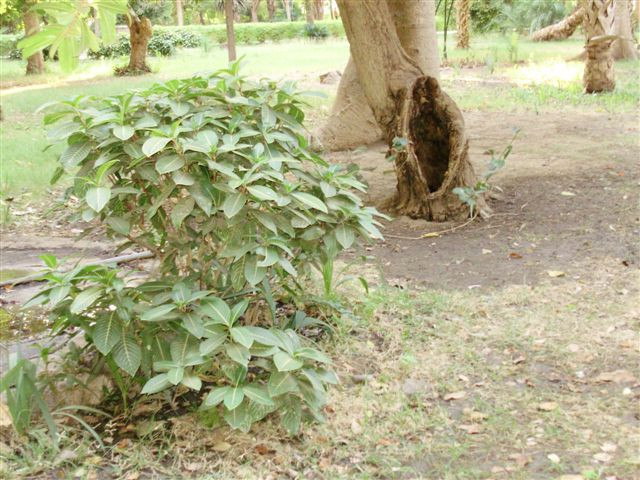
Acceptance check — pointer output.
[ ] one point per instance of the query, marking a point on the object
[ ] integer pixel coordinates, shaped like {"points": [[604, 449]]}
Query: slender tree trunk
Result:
{"points": [[598, 24], [35, 63], [623, 47], [254, 10], [271, 9], [231, 34], [201, 16], [561, 30], [351, 122], [433, 159], [139, 35], [179, 13], [308, 10], [318, 9], [287, 8], [463, 13]]}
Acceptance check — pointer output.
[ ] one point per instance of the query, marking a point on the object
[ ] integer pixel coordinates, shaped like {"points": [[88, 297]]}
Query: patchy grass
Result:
{"points": [[507, 384]]}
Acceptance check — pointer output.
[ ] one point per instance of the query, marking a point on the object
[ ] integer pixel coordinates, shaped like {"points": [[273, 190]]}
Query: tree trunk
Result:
{"points": [[351, 122], [287, 8], [271, 9], [408, 105], [35, 63], [231, 34], [623, 47], [254, 10], [598, 69], [318, 9], [308, 10], [179, 13], [561, 30], [463, 13], [139, 35]]}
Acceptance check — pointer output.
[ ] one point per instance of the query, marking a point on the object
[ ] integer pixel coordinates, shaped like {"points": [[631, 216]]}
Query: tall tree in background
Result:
{"points": [[351, 122], [231, 34], [598, 26], [35, 62], [271, 9], [179, 13], [422, 125], [318, 9], [463, 16], [308, 11], [623, 47], [562, 29], [287, 8], [255, 4], [140, 31]]}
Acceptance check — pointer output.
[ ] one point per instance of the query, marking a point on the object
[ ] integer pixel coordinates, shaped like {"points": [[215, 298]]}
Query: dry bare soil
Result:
{"points": [[507, 349]]}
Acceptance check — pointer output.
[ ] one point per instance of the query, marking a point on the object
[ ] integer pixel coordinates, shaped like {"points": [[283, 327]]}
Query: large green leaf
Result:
{"points": [[98, 197], [156, 384], [169, 163], [281, 383], [74, 154], [291, 415], [123, 132], [181, 211], [157, 313], [238, 354], [285, 362], [252, 271], [233, 398], [262, 192], [193, 324], [258, 394], [215, 396], [242, 336], [311, 201], [217, 310], [345, 235], [127, 354], [107, 333], [154, 144], [85, 299], [233, 204]]}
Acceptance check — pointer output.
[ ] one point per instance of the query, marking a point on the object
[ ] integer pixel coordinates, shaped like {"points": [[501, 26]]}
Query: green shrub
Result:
{"points": [[213, 175], [317, 32], [8, 44]]}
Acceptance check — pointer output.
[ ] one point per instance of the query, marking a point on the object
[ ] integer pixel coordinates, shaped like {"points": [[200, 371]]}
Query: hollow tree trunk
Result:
{"points": [[271, 9], [318, 9], [562, 29], [409, 105], [231, 33], [308, 10], [179, 13], [351, 122], [598, 69], [623, 47], [463, 14], [35, 63], [254, 10], [287, 8], [139, 35]]}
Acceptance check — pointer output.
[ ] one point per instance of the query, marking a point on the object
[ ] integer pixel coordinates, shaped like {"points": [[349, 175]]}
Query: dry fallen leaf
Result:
{"points": [[521, 459], [570, 477], [567, 194], [222, 446], [555, 273], [5, 418], [547, 406], [355, 427], [515, 256], [608, 447], [455, 395], [602, 457], [617, 376], [471, 429], [553, 458]]}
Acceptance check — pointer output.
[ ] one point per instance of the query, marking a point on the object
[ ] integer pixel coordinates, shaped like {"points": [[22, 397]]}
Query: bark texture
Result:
{"points": [[35, 63], [308, 10], [561, 30], [255, 4], [623, 47], [463, 15], [407, 104], [231, 33], [287, 8], [179, 13], [598, 24], [318, 9], [271, 9], [351, 122], [139, 35]]}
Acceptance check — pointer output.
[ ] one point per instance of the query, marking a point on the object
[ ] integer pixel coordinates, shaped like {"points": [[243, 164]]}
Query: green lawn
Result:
{"points": [[26, 169]]}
